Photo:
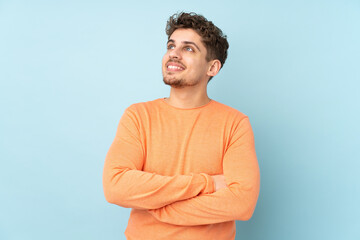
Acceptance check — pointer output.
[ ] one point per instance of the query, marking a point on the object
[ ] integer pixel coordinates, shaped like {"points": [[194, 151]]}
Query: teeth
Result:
{"points": [[174, 67]]}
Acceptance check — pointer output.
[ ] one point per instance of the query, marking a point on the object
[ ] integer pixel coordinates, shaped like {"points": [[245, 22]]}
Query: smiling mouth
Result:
{"points": [[172, 66]]}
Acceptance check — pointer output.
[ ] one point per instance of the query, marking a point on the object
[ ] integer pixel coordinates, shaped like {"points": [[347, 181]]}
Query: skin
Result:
{"points": [[189, 82], [186, 70]]}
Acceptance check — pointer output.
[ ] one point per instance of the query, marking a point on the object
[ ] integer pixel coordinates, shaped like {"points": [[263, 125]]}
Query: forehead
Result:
{"points": [[185, 34]]}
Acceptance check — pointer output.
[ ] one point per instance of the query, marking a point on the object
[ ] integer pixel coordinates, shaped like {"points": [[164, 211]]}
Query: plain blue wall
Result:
{"points": [[68, 69]]}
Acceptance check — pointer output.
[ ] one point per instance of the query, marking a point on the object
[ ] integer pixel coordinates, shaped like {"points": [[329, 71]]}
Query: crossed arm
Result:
{"points": [[183, 199], [236, 201]]}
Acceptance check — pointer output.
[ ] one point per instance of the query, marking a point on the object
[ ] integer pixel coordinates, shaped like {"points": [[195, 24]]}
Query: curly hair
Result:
{"points": [[212, 37]]}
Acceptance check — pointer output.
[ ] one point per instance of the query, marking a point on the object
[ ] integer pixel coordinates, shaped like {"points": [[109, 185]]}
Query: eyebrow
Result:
{"points": [[185, 42]]}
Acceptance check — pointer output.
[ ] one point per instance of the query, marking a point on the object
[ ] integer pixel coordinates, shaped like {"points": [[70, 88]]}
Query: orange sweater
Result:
{"points": [[160, 165]]}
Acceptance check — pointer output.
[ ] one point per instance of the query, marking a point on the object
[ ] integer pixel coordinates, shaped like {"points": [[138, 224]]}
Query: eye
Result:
{"points": [[170, 46], [189, 49]]}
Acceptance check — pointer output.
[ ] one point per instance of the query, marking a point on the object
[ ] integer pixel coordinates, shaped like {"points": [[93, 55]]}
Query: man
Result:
{"points": [[185, 164]]}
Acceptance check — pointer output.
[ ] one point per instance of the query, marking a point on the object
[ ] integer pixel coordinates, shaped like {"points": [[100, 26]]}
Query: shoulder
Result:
{"points": [[143, 111], [138, 112], [235, 121], [143, 106], [228, 112]]}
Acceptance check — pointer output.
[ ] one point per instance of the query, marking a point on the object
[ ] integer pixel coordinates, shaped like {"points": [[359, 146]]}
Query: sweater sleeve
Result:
{"points": [[237, 201], [127, 185]]}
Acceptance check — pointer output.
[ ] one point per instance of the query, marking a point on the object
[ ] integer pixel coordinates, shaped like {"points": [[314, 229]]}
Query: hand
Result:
{"points": [[219, 182]]}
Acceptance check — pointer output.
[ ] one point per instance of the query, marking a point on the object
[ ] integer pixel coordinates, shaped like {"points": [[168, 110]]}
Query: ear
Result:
{"points": [[214, 67]]}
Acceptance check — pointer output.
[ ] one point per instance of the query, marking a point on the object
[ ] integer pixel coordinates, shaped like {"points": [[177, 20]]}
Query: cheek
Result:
{"points": [[165, 58], [201, 67]]}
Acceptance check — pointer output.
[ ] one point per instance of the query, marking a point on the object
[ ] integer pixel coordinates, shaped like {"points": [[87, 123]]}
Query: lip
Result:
{"points": [[176, 66]]}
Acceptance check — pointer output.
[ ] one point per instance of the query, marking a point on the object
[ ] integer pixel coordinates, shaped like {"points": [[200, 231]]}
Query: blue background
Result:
{"points": [[68, 69]]}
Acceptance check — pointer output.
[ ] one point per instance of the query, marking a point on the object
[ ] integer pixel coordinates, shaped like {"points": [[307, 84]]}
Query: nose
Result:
{"points": [[175, 53]]}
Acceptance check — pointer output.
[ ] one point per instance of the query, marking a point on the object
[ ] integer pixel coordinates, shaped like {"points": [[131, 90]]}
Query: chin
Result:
{"points": [[176, 83]]}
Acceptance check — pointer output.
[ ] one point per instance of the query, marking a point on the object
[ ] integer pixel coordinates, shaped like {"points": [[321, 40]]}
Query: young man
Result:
{"points": [[185, 164]]}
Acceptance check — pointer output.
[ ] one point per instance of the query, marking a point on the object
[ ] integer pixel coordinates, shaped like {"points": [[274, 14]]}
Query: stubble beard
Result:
{"points": [[177, 82], [172, 82]]}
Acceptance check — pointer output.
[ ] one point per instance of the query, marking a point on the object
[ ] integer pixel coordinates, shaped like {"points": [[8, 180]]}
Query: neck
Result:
{"points": [[188, 97]]}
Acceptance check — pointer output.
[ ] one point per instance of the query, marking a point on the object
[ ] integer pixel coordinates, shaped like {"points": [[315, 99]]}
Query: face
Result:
{"points": [[184, 64]]}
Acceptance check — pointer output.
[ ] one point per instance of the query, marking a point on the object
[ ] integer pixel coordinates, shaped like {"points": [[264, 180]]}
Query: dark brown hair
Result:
{"points": [[212, 37]]}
